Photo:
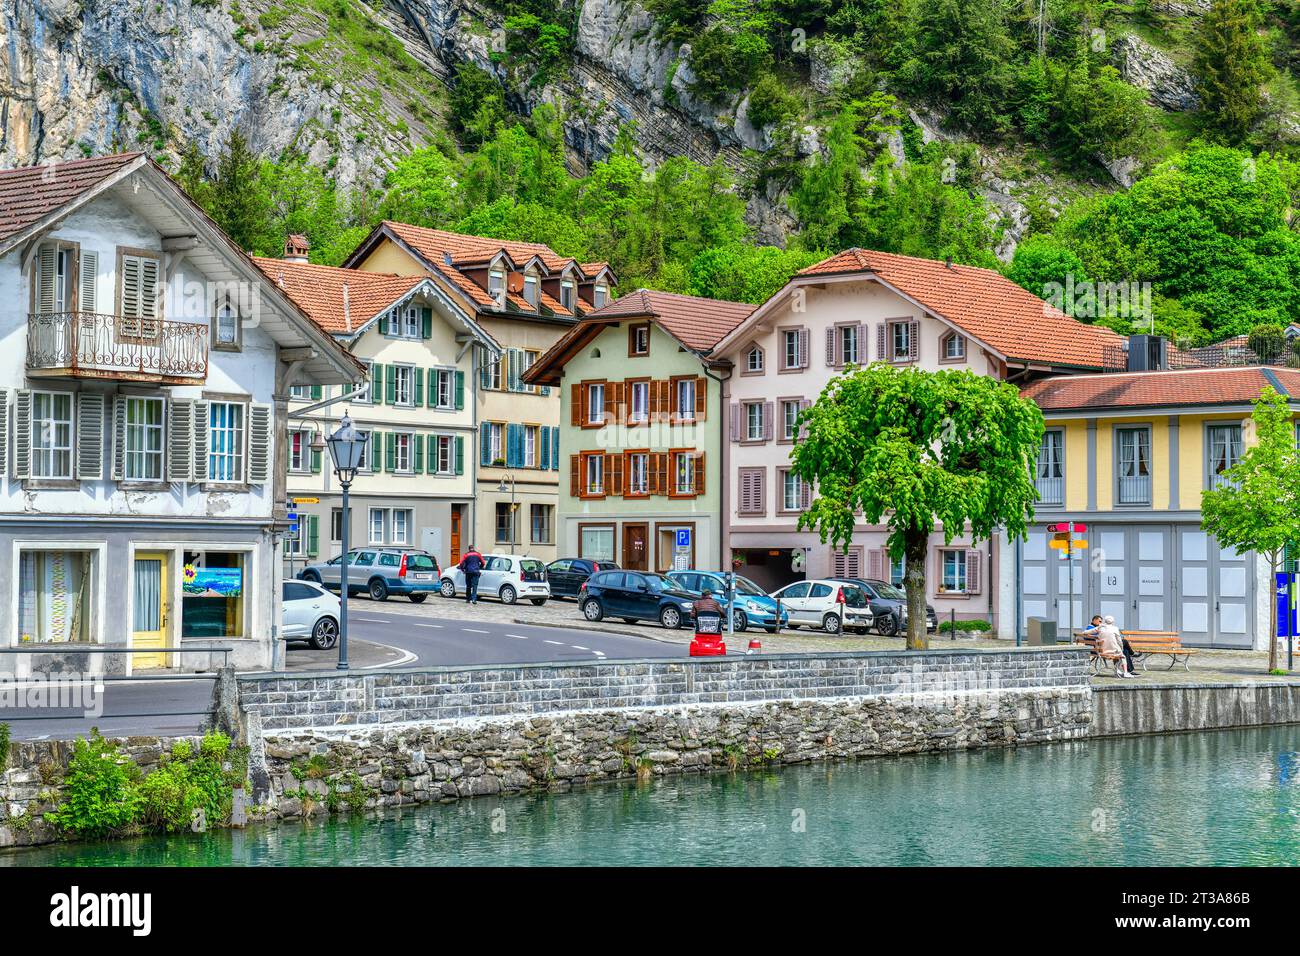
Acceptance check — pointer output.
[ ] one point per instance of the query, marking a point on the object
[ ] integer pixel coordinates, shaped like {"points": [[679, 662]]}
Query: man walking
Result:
{"points": [[472, 566]]}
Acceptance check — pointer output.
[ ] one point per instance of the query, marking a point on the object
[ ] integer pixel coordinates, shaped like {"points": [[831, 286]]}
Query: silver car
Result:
{"points": [[380, 572], [507, 577]]}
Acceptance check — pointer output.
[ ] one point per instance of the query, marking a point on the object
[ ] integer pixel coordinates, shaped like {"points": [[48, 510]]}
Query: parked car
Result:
{"points": [[379, 572], [833, 606], [507, 577], [310, 613], [636, 596], [753, 604], [566, 575], [889, 605]]}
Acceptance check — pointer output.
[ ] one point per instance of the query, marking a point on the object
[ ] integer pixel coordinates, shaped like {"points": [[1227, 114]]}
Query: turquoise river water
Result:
{"points": [[1228, 797]]}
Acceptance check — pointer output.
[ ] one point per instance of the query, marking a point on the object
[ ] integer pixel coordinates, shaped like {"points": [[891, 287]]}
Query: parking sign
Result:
{"points": [[683, 537]]}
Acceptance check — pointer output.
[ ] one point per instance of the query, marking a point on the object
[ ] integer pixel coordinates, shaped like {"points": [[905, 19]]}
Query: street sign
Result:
{"points": [[1065, 527], [683, 537], [306, 501]]}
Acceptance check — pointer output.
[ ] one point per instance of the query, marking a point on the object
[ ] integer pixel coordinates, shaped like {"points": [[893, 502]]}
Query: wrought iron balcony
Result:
{"points": [[1135, 490], [95, 345], [1051, 491]]}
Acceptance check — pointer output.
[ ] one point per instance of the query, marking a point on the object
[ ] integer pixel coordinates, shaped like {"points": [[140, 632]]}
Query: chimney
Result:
{"points": [[1147, 353], [296, 247]]}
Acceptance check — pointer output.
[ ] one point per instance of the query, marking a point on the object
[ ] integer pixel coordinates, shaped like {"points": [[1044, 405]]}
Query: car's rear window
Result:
{"points": [[530, 565], [420, 562], [608, 579]]}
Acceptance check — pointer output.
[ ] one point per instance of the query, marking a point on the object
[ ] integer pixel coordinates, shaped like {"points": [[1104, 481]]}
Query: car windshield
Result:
{"points": [[890, 592], [746, 586], [419, 562], [658, 582]]}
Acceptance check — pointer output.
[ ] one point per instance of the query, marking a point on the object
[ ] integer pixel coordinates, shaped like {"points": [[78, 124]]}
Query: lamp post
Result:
{"points": [[346, 448], [513, 518]]}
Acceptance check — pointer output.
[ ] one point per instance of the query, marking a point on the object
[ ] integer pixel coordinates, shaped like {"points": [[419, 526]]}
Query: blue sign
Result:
{"points": [[1286, 609], [683, 537]]}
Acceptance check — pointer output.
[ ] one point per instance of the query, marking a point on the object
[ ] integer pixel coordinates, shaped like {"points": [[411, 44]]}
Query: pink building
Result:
{"points": [[854, 308]]}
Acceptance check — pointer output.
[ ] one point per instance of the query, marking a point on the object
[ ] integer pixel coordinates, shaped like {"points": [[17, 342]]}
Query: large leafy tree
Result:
{"points": [[1259, 508], [1233, 62], [915, 449]]}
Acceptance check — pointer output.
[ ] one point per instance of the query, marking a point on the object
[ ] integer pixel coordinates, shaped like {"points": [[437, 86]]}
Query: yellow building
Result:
{"points": [[525, 297], [1128, 456]]}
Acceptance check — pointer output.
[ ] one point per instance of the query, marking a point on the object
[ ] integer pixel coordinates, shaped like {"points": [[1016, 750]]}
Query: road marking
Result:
{"points": [[519, 637], [372, 620], [556, 643], [475, 630], [406, 658], [579, 647], [428, 625]]}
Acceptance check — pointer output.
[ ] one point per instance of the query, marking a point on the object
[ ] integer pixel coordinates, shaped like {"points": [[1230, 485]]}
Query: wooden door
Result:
{"points": [[635, 544], [149, 608], [455, 536]]}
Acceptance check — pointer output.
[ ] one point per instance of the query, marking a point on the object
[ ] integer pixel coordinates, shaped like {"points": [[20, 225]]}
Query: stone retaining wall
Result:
{"points": [[1128, 709]]}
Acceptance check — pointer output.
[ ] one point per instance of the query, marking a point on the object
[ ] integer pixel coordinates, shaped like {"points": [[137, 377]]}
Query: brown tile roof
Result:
{"points": [[696, 322], [983, 303], [318, 291], [30, 193], [1214, 386]]}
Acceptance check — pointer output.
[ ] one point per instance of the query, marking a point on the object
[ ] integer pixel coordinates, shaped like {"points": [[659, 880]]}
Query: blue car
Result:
{"points": [[753, 605]]}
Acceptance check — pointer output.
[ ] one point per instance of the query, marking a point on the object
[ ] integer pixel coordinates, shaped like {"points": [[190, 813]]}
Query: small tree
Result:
{"points": [[1259, 509], [916, 448]]}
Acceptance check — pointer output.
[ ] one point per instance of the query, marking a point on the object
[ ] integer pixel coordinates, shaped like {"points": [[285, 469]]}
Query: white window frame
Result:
{"points": [[382, 514], [45, 450], [398, 467], [790, 348], [596, 404], [956, 572], [445, 379], [900, 332], [750, 364], [594, 479], [532, 436], [402, 536], [957, 339], [686, 389], [638, 467], [409, 401], [849, 343], [684, 472], [496, 441], [233, 455], [304, 451], [447, 442], [144, 432], [791, 482], [363, 397]]}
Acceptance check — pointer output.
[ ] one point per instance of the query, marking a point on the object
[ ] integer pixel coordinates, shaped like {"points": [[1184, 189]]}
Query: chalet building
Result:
{"points": [[851, 309], [523, 296], [143, 414], [641, 404], [417, 345], [1129, 455]]}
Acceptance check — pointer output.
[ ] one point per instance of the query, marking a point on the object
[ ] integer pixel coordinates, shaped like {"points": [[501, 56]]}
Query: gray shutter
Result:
{"points": [[46, 270], [4, 431], [130, 279], [87, 276], [806, 496], [804, 347], [119, 438], [259, 444], [22, 433], [882, 331], [90, 436], [972, 572], [199, 443], [735, 421], [913, 341], [769, 419], [180, 439], [830, 347], [860, 336]]}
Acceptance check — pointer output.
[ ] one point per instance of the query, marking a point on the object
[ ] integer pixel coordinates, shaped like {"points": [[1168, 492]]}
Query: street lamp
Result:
{"points": [[513, 518], [346, 445]]}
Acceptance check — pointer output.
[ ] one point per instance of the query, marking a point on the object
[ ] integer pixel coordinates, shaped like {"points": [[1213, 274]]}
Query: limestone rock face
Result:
{"points": [[1167, 85]]}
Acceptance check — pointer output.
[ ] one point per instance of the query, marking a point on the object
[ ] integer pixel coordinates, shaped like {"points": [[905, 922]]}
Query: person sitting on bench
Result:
{"points": [[1091, 631], [1110, 646]]}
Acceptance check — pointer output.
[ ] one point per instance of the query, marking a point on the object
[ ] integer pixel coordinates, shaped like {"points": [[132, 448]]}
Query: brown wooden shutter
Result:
{"points": [[878, 565], [612, 392], [830, 347], [652, 400], [575, 476], [735, 421], [769, 420], [578, 404], [745, 492], [659, 473], [913, 341], [973, 582], [701, 393], [882, 334], [699, 473], [614, 477]]}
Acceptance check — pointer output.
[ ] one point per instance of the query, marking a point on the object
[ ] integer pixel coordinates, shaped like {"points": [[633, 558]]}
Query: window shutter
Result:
{"points": [[313, 534], [375, 453], [760, 491], [390, 385], [701, 393], [576, 404], [87, 277], [877, 565], [662, 476], [769, 420], [90, 436], [514, 434], [805, 494], [745, 493], [484, 444], [735, 421], [575, 475], [830, 347], [317, 393], [376, 383], [426, 323], [544, 452], [460, 454], [4, 431], [460, 390], [804, 340], [119, 438], [46, 276], [614, 464], [390, 451], [611, 403], [180, 438], [22, 433], [259, 443], [860, 340], [882, 333], [419, 386], [699, 473], [555, 449], [913, 340], [973, 572], [315, 461], [417, 464]]}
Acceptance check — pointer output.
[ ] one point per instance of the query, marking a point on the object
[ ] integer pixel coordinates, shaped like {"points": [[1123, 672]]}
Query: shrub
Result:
{"points": [[975, 626], [189, 789], [100, 794], [4, 746]]}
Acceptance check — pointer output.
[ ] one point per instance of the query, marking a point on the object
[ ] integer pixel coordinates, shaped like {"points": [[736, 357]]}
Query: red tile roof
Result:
{"points": [[1213, 386], [983, 303], [30, 193], [696, 322], [318, 291]]}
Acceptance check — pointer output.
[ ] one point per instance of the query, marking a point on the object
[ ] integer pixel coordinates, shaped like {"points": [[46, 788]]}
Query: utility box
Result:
{"points": [[1042, 630]]}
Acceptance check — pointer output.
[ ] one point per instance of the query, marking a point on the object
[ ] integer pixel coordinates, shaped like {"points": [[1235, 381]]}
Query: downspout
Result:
{"points": [[724, 473]]}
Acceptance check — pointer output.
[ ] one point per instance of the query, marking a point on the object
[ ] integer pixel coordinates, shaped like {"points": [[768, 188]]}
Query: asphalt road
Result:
{"points": [[173, 706]]}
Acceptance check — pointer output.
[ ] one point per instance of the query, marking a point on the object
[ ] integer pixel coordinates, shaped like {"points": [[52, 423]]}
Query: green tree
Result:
{"points": [[1040, 260], [912, 448], [422, 188], [1258, 509], [238, 201], [964, 58], [1232, 61]]}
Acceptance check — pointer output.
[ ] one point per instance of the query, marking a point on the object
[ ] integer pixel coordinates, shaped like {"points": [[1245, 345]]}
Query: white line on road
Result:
{"points": [[428, 625], [518, 637], [372, 620], [579, 647], [475, 630], [406, 657], [556, 643]]}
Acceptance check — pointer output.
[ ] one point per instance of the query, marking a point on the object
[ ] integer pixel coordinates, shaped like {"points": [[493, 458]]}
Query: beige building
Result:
{"points": [[416, 485], [524, 297]]}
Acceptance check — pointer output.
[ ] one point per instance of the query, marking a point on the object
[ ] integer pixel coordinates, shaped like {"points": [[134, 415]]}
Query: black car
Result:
{"points": [[636, 596], [889, 605], [567, 574]]}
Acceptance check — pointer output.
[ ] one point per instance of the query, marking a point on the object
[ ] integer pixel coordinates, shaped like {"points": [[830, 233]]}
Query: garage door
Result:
{"points": [[1215, 600]]}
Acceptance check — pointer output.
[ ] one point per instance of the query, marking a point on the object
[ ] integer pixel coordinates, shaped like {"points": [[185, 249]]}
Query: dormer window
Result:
{"points": [[567, 290], [599, 296], [638, 340], [496, 284], [530, 290]]}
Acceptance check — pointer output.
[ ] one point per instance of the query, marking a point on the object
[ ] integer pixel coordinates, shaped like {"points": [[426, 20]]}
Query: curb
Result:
{"points": [[599, 630]]}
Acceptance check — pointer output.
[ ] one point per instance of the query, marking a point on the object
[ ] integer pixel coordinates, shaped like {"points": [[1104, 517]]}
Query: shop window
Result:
{"points": [[55, 596], [213, 593]]}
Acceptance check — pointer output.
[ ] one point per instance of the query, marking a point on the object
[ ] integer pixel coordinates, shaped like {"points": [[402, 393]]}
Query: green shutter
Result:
{"points": [[313, 534], [418, 447], [316, 393], [460, 454], [431, 397], [390, 385], [390, 451], [315, 462], [426, 323], [419, 387], [376, 451], [431, 457], [460, 390], [377, 383]]}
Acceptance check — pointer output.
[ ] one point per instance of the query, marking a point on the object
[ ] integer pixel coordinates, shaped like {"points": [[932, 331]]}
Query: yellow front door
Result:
{"points": [[149, 624]]}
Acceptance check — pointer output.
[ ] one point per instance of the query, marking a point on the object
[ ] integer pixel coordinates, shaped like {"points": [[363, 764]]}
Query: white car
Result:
{"points": [[833, 606], [310, 613], [508, 577]]}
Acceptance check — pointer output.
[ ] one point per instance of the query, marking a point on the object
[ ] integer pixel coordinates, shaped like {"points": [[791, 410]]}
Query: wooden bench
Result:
{"points": [[1096, 660], [1147, 643]]}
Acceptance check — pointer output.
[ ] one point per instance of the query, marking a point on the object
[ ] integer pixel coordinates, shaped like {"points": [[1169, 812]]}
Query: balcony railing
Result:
{"points": [[95, 345], [1135, 490], [1051, 491]]}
